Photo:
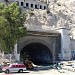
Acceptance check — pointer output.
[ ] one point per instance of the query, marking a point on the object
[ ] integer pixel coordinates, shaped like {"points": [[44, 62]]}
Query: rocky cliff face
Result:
{"points": [[64, 9], [59, 13], [40, 18]]}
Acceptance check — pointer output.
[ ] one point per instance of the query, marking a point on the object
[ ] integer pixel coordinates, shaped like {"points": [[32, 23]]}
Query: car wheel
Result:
{"points": [[7, 71], [20, 70]]}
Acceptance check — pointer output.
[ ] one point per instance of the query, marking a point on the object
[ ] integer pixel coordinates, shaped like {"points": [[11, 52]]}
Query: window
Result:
{"points": [[16, 66], [44, 7], [36, 7], [22, 66], [6, 0], [21, 3], [32, 5], [13, 66], [27, 5], [40, 7]]}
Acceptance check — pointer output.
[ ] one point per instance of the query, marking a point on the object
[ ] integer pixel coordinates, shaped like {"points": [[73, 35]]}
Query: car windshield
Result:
{"points": [[10, 65]]}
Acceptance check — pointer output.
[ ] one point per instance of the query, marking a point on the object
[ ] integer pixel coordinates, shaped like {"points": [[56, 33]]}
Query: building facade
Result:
{"points": [[32, 4]]}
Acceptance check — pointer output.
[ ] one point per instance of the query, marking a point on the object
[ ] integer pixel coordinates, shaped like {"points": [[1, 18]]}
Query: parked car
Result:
{"points": [[14, 68]]}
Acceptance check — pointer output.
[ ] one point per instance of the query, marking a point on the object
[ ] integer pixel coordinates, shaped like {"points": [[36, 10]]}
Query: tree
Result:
{"points": [[11, 25]]}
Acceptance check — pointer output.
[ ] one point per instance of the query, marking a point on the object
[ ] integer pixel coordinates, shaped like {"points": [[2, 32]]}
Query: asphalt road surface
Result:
{"points": [[43, 72]]}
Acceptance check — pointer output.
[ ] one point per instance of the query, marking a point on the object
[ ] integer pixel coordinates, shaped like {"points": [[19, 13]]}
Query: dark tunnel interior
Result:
{"points": [[38, 53]]}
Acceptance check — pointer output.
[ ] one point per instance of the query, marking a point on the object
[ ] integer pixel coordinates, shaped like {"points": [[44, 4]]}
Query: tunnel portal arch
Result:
{"points": [[34, 39], [49, 44], [39, 53]]}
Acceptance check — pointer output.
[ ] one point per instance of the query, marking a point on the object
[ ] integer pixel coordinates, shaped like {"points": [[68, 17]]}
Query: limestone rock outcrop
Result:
{"points": [[59, 13]]}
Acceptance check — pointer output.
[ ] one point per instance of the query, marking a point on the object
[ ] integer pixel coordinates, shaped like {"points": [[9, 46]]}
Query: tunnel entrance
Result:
{"points": [[38, 53]]}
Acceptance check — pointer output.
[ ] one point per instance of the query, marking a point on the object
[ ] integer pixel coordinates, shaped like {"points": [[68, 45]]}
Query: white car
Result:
{"points": [[14, 68]]}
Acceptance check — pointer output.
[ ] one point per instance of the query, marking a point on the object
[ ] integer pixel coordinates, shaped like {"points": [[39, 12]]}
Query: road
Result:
{"points": [[43, 72]]}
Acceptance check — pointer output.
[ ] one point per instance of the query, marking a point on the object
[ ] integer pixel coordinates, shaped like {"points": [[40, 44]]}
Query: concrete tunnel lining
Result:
{"points": [[38, 52], [46, 41]]}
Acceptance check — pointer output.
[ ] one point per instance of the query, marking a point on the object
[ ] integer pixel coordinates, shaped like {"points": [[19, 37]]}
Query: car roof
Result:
{"points": [[16, 64]]}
